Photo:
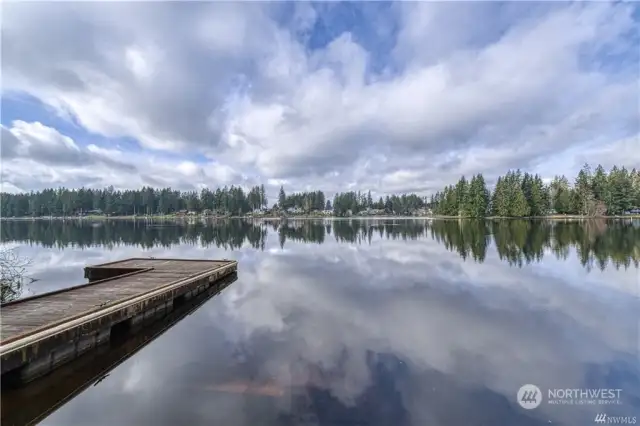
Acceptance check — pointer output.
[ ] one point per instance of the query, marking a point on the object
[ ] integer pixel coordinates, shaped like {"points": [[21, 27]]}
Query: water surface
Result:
{"points": [[367, 322]]}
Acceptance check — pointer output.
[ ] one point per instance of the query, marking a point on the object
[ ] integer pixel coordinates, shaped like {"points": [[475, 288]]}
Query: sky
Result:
{"points": [[387, 97]]}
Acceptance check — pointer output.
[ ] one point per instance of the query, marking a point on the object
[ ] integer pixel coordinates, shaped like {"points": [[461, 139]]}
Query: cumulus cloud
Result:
{"points": [[45, 145], [399, 98], [35, 156]]}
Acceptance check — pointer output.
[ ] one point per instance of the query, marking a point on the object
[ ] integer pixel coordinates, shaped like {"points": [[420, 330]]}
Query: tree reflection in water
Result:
{"points": [[598, 243]]}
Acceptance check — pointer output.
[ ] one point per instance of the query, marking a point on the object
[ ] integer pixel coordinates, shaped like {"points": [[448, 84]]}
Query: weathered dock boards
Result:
{"points": [[32, 403], [41, 332]]}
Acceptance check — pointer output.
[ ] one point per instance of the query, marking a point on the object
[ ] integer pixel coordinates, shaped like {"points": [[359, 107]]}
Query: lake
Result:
{"points": [[369, 322]]}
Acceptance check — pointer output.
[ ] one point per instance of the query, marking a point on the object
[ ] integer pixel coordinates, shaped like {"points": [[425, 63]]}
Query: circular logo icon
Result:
{"points": [[529, 396]]}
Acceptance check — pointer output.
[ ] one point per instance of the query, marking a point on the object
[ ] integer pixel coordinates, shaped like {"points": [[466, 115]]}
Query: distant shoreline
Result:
{"points": [[181, 218]]}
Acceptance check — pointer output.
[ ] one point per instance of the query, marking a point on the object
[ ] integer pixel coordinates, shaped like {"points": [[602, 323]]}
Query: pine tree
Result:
{"points": [[518, 207], [515, 198], [599, 184], [583, 195], [536, 197], [460, 198], [263, 197], [621, 195], [282, 198], [527, 188], [635, 180], [500, 201], [561, 195], [478, 198]]}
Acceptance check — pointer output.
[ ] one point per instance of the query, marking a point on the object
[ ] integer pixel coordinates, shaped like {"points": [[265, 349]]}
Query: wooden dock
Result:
{"points": [[39, 333], [46, 394]]}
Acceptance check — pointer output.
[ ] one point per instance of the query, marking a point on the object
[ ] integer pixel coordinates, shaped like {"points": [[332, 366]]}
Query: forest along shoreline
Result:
{"points": [[522, 195], [170, 218]]}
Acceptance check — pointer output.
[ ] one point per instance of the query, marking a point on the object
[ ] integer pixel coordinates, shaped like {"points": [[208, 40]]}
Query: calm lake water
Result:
{"points": [[368, 322]]}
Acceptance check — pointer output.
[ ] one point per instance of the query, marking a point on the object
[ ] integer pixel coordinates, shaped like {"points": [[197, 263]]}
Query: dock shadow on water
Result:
{"points": [[359, 322]]}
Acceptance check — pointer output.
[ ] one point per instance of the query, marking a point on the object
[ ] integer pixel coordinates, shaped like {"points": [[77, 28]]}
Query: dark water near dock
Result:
{"points": [[367, 322]]}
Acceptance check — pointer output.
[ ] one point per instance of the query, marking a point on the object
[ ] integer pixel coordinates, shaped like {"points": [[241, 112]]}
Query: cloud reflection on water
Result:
{"points": [[392, 330]]}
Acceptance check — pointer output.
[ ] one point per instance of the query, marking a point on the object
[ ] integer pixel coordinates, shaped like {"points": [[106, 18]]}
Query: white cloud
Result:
{"points": [[111, 153], [460, 88], [35, 133], [142, 63], [35, 156], [10, 188], [623, 151], [189, 168]]}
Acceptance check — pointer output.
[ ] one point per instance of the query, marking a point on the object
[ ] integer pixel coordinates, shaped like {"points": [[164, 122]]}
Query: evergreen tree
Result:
{"points": [[527, 188], [599, 184], [537, 199], [500, 199], [518, 206], [460, 197], [561, 195], [478, 198], [583, 195], [620, 198], [263, 197], [635, 178], [282, 198]]}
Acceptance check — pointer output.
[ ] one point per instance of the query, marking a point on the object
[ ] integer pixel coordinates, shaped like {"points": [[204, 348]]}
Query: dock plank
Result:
{"points": [[29, 314]]}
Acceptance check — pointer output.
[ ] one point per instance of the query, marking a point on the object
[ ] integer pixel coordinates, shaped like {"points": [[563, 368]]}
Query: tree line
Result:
{"points": [[304, 201], [516, 194], [146, 201], [598, 243], [520, 195], [345, 203]]}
